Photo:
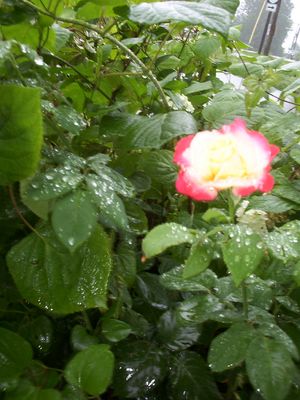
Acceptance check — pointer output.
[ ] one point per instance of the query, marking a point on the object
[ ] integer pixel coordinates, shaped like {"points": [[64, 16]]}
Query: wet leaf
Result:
{"points": [[91, 369], [112, 180], [53, 183], [15, 355], [26, 391], [199, 259], [164, 236], [49, 276], [229, 349], [74, 218], [174, 280], [190, 378], [198, 309], [115, 330], [175, 335], [111, 207], [140, 368], [270, 368], [80, 339], [149, 288], [242, 252], [284, 241]]}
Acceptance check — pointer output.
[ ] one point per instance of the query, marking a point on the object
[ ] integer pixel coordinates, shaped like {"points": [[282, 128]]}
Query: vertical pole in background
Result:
{"points": [[262, 42], [273, 6], [272, 29]]}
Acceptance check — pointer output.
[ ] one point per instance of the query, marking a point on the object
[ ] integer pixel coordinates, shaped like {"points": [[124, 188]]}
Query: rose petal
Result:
{"points": [[185, 186], [274, 150], [244, 191], [267, 183], [181, 146]]}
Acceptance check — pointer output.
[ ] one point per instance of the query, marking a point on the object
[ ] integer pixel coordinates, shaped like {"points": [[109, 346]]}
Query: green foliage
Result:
{"points": [[91, 369], [112, 284], [20, 132]]}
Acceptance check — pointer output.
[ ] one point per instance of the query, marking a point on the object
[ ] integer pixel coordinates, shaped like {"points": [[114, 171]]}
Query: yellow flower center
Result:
{"points": [[224, 160]]}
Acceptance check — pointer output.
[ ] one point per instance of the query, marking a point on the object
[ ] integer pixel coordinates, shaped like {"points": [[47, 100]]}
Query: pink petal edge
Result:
{"points": [[196, 192], [180, 148], [267, 183]]}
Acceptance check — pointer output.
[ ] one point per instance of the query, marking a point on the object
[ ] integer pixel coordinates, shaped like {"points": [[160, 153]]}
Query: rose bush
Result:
{"points": [[231, 157]]}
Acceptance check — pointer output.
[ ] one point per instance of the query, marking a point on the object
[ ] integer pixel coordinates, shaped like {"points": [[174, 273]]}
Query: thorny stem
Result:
{"points": [[113, 40], [20, 215]]}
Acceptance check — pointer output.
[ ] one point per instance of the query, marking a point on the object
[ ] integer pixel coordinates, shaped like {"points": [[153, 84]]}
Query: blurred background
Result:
{"points": [[254, 18]]}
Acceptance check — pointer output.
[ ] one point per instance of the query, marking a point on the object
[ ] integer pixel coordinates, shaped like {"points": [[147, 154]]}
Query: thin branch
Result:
{"points": [[279, 98], [113, 40], [20, 215], [266, 91], [78, 73]]}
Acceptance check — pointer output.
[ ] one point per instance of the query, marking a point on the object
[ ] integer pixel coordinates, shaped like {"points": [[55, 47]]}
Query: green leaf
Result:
{"points": [[270, 368], [229, 5], [15, 355], [204, 48], [242, 252], [40, 207], [159, 166], [115, 330], [274, 331], [229, 349], [297, 273], [198, 309], [26, 391], [138, 364], [80, 339], [208, 16], [295, 153], [174, 280], [111, 179], [175, 335], [111, 207], [284, 242], [74, 218], [69, 119], [215, 215], [271, 203], [70, 392], [39, 332], [91, 370], [126, 259], [164, 236], [190, 378], [148, 287], [149, 132], [199, 259], [224, 107], [49, 276], [20, 132], [137, 218], [160, 129], [53, 183], [288, 192]]}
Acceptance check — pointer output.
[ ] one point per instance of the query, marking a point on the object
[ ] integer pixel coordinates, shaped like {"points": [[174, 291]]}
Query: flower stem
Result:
{"points": [[245, 300], [231, 208]]}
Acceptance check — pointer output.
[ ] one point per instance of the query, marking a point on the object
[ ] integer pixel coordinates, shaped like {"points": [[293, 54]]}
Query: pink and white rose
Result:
{"points": [[230, 157]]}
